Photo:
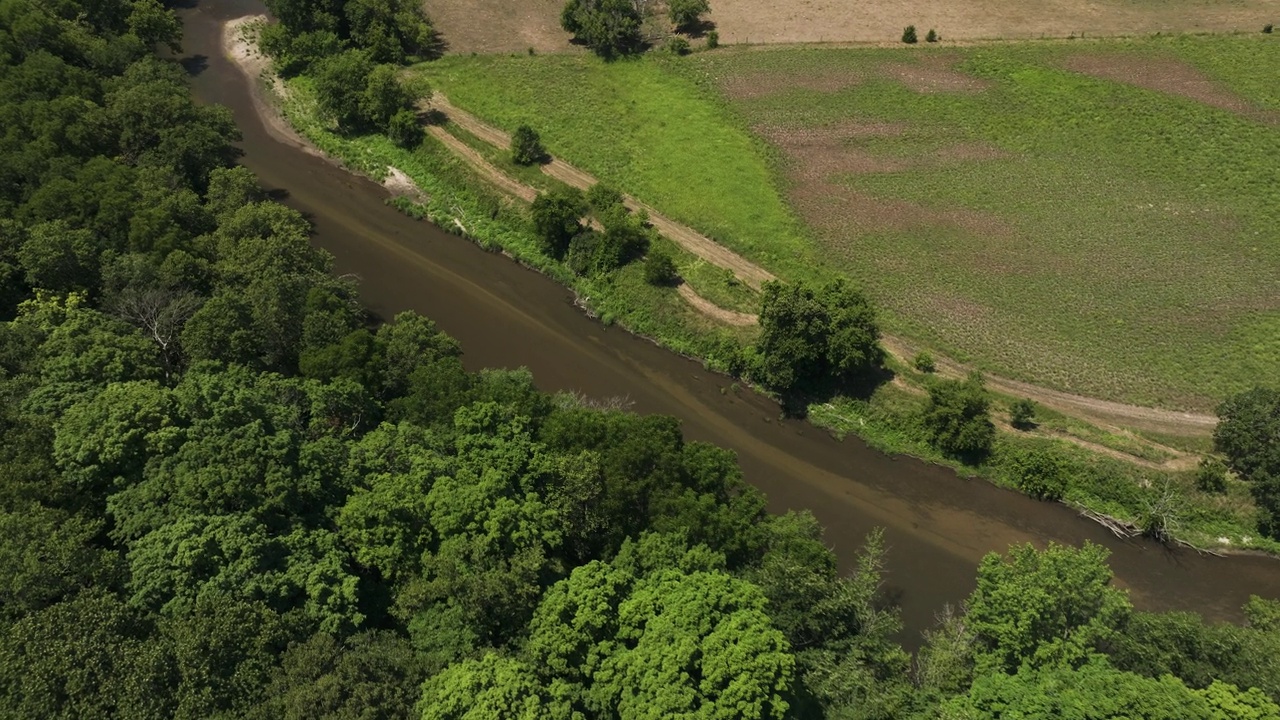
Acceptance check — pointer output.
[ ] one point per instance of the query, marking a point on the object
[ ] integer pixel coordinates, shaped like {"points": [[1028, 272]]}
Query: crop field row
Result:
{"points": [[1099, 217]]}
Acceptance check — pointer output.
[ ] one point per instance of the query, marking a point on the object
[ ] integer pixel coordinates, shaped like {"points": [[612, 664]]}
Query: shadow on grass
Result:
{"points": [[796, 401], [698, 29]]}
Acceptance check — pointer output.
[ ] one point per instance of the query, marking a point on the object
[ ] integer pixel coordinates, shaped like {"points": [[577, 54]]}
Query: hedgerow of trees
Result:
{"points": [[225, 493]]}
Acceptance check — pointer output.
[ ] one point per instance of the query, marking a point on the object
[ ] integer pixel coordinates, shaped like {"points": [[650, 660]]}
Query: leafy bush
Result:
{"points": [[713, 40], [404, 129], [581, 255], [1267, 28], [909, 35], [609, 27], [1022, 414], [1211, 476], [602, 197], [811, 337], [932, 36], [1038, 473], [685, 14], [526, 146], [660, 269], [677, 45], [957, 417], [557, 219], [924, 362]]}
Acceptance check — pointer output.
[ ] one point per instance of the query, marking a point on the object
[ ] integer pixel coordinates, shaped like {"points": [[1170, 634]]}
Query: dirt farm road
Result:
{"points": [[1159, 420]]}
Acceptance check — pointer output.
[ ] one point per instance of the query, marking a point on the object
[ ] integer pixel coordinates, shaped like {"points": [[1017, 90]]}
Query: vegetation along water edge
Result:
{"points": [[225, 491], [1135, 483]]}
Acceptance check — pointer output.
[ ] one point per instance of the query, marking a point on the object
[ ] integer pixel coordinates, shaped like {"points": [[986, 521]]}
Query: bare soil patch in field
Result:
{"points": [[748, 86], [499, 26], [817, 154], [769, 21], [840, 212], [818, 157], [933, 75], [1166, 75]]}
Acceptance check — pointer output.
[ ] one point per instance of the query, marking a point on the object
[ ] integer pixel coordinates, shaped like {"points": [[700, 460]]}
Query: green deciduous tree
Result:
{"points": [[557, 218], [609, 27], [373, 675], [1022, 414], [1043, 607], [223, 652], [811, 338], [661, 631], [90, 657], [1184, 645], [957, 418], [526, 146], [390, 30], [384, 96], [686, 14], [1037, 472], [47, 556], [492, 686], [340, 81], [1248, 432], [1095, 690], [405, 129], [660, 269]]}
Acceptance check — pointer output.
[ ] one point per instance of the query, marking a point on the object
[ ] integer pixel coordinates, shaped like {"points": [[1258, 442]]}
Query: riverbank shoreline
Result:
{"points": [[885, 439]]}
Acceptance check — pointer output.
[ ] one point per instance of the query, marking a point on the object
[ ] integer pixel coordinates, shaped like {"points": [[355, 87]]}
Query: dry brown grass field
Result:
{"points": [[502, 26]]}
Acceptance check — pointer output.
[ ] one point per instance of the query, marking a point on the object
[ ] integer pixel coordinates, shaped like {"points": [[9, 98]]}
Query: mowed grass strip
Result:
{"points": [[646, 127], [1059, 226]]}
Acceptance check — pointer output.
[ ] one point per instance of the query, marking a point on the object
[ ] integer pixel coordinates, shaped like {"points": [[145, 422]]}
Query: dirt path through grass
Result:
{"points": [[710, 309], [503, 181], [704, 247], [1134, 416], [1172, 422]]}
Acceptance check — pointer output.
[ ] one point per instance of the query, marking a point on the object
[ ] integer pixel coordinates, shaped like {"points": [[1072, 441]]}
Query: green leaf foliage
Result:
{"points": [[226, 492], [609, 27], [958, 420], [1044, 607], [811, 338]]}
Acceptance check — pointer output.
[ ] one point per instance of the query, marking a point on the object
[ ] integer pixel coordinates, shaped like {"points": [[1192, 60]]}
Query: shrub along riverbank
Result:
{"points": [[1147, 495]]}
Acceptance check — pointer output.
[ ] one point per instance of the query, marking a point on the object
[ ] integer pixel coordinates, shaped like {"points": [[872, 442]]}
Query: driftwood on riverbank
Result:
{"points": [[1126, 530]]}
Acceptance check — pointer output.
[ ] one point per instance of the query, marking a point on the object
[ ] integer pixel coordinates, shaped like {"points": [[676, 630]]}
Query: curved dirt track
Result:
{"points": [[1134, 416], [710, 309], [683, 235]]}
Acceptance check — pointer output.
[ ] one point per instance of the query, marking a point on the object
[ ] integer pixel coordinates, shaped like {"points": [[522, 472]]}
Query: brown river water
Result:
{"points": [[937, 525]]}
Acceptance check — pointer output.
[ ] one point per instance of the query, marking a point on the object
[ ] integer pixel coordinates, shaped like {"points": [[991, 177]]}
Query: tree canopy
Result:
{"points": [[226, 492], [815, 337]]}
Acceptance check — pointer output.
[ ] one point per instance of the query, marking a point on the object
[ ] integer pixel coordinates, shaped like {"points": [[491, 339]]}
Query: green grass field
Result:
{"points": [[889, 419], [1038, 221], [643, 126]]}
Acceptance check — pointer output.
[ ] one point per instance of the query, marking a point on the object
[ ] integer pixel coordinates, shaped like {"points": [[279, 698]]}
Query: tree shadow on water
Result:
{"points": [[194, 64]]}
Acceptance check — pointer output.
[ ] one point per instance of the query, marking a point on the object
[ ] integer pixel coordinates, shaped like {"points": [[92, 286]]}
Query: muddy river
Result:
{"points": [[937, 525]]}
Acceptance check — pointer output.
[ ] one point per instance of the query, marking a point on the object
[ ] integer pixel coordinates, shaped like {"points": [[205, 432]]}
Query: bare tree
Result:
{"points": [[1162, 514], [161, 313]]}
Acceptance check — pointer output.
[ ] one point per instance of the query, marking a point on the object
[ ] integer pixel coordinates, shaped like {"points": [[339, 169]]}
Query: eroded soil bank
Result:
{"points": [[938, 526]]}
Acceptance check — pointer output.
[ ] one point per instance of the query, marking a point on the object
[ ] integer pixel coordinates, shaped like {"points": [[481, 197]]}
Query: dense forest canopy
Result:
{"points": [[225, 493]]}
